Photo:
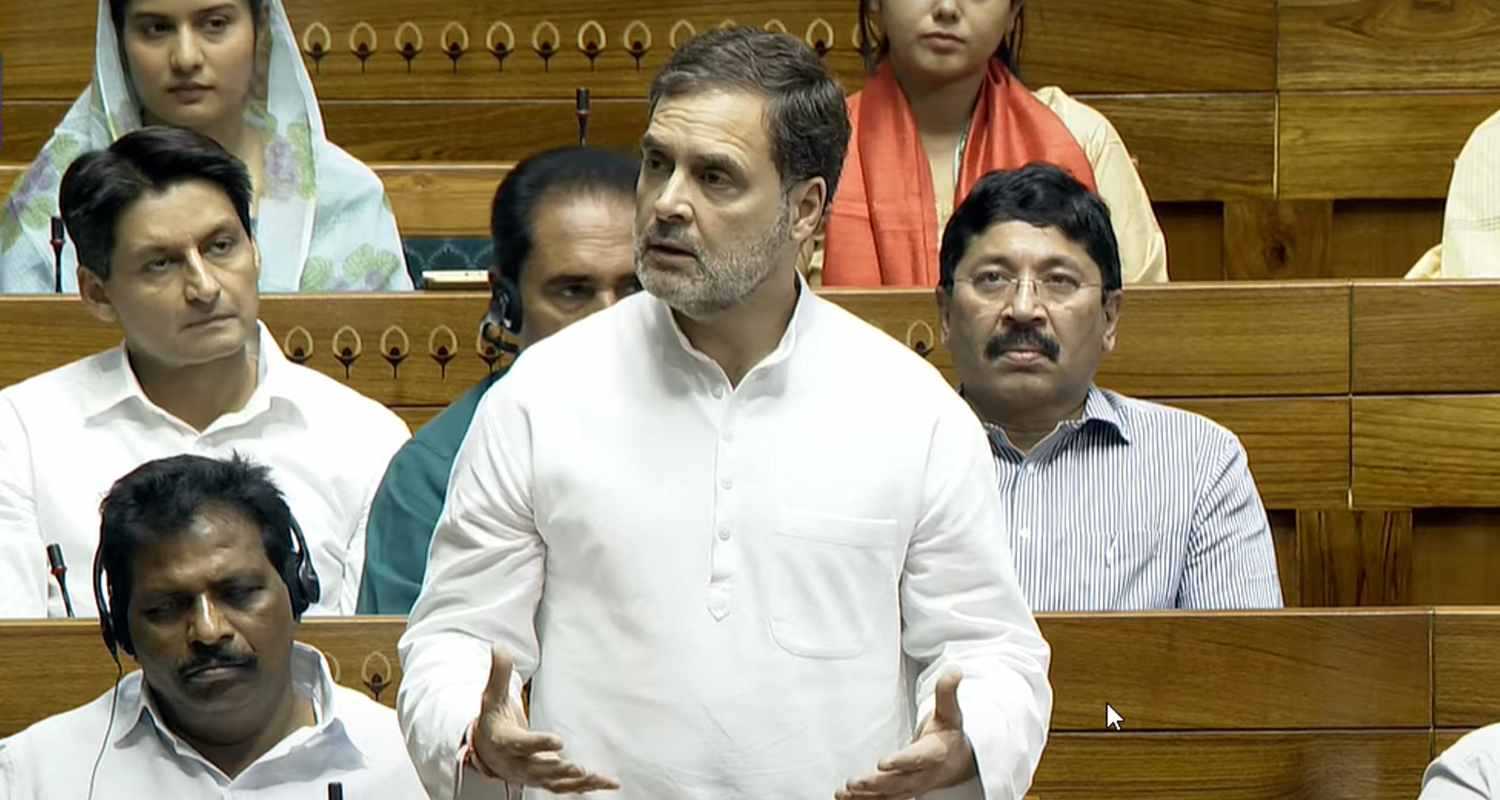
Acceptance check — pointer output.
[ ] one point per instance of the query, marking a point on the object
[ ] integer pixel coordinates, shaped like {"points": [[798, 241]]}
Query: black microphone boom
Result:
{"points": [[60, 572], [57, 248], [581, 99]]}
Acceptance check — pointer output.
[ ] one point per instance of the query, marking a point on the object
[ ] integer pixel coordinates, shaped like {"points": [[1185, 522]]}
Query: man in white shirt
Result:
{"points": [[161, 222], [207, 574], [1469, 770], [743, 544]]}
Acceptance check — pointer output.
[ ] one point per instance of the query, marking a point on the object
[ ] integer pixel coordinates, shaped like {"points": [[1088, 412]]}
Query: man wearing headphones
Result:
{"points": [[561, 224], [162, 224], [201, 576]]}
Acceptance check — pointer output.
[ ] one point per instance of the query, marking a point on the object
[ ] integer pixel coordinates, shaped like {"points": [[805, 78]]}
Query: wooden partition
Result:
{"points": [[1292, 139], [1370, 411], [1325, 704]]}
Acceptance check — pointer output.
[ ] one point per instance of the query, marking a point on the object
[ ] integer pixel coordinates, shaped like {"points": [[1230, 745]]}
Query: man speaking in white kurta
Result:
{"points": [[743, 545]]}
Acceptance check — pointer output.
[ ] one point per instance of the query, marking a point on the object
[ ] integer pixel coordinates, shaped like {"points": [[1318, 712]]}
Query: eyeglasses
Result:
{"points": [[1051, 290]]}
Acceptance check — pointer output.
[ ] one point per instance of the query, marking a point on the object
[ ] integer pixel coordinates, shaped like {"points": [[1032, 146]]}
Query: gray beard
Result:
{"points": [[723, 280]]}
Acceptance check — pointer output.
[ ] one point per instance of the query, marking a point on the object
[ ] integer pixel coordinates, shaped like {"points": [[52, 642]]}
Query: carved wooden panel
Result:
{"points": [[409, 45]]}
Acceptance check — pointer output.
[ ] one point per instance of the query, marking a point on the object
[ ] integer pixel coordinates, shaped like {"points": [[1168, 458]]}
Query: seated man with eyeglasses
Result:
{"points": [[1113, 503]]}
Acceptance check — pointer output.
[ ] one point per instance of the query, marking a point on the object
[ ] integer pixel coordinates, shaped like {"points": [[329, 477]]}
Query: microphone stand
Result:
{"points": [[60, 572], [57, 248], [581, 100]]}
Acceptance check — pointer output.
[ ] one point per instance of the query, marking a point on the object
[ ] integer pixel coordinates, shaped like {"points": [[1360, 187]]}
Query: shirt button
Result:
{"points": [[718, 391], [1025, 533], [723, 534], [726, 484]]}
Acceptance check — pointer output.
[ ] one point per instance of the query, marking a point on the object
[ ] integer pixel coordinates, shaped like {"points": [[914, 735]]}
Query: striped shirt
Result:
{"points": [[1136, 506]]}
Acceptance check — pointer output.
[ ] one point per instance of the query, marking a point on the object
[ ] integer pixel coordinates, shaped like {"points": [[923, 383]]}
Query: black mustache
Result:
{"points": [[1022, 339], [213, 660]]}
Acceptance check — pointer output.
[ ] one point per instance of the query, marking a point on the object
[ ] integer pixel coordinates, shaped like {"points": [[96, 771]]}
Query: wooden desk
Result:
{"points": [[1325, 704]]}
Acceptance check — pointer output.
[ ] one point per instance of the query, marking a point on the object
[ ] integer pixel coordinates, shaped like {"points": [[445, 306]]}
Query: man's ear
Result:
{"points": [[944, 303], [809, 201], [95, 297], [1112, 305]]}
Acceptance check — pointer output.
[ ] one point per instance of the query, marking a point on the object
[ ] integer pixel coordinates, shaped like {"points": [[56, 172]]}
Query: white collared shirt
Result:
{"points": [[1468, 770], [725, 592], [355, 741], [67, 435]]}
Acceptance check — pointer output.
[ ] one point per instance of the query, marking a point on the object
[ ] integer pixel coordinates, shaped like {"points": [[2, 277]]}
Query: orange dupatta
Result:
{"points": [[882, 229]]}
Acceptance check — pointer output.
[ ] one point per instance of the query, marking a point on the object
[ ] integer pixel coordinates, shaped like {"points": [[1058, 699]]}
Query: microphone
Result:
{"points": [[57, 248], [581, 98], [335, 791], [60, 572]]}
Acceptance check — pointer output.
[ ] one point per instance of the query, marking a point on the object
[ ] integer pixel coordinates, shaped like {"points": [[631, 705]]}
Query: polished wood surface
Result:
{"points": [[1427, 337], [1466, 650], [1425, 451], [1387, 44], [1243, 705], [1374, 145], [1289, 670], [1455, 556], [1286, 765], [1199, 147], [1354, 558], [1298, 447], [1171, 344]]}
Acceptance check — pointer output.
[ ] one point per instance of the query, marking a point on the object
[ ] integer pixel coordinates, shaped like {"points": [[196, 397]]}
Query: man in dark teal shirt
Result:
{"points": [[562, 223]]}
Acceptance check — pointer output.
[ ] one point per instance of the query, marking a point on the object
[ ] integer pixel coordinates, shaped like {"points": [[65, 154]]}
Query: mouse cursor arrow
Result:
{"points": [[1112, 718]]}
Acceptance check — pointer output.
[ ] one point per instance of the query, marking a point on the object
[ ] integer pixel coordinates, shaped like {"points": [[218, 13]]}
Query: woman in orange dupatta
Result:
{"points": [[942, 107]]}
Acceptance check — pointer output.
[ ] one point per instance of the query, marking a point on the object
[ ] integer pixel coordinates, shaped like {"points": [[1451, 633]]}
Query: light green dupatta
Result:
{"points": [[323, 222]]}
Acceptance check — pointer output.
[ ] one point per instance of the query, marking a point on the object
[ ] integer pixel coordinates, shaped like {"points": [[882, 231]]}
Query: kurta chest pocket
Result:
{"points": [[835, 584]]}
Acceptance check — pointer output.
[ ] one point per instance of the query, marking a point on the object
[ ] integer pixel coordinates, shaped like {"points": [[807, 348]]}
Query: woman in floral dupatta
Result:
{"points": [[942, 107], [229, 69]]}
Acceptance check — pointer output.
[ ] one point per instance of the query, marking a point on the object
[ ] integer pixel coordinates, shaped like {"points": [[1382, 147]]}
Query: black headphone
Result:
{"points": [[296, 572], [504, 313]]}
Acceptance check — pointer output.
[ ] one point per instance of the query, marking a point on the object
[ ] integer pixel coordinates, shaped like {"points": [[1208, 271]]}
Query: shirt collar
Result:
{"points": [[1097, 409], [803, 314], [311, 678], [112, 381]]}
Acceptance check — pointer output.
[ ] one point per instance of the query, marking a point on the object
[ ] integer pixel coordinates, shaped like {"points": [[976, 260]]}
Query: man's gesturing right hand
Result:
{"points": [[505, 746]]}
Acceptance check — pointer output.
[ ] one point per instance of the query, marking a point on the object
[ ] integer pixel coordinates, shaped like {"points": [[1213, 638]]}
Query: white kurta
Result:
{"points": [[725, 592]]}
